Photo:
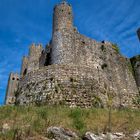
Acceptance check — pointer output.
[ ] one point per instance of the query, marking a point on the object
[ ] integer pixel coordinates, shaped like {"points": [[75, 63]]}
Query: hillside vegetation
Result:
{"points": [[36, 120]]}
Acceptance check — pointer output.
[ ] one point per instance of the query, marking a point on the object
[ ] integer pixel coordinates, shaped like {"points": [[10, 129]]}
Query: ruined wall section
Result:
{"points": [[135, 61], [11, 88]]}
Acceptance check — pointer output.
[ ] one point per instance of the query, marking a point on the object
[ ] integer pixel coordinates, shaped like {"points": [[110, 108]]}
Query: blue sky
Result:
{"points": [[23, 22]]}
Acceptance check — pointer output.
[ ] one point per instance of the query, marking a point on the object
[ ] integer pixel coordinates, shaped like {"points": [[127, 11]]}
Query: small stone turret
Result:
{"points": [[136, 66], [11, 88]]}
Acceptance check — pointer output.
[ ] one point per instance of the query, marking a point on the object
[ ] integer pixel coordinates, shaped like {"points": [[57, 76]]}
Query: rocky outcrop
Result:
{"points": [[136, 135], [108, 136], [5, 128], [59, 133]]}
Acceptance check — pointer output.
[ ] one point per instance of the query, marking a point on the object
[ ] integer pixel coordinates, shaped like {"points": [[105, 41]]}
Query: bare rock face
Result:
{"points": [[59, 133], [136, 135], [91, 136]]}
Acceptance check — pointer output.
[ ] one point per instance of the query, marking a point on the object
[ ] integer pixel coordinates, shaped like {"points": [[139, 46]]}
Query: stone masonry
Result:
{"points": [[12, 88], [75, 70], [136, 66]]}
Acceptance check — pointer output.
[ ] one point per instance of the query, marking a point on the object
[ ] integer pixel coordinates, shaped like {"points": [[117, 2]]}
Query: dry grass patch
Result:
{"points": [[35, 120]]}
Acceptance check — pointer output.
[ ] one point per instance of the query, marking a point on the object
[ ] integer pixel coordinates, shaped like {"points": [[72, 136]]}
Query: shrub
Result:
{"points": [[116, 48]]}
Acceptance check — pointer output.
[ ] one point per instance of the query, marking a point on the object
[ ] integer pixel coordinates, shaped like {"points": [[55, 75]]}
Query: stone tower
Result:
{"points": [[62, 17], [11, 88], [62, 34]]}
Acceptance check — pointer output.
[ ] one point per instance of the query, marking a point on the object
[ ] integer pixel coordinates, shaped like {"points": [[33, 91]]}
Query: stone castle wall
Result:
{"points": [[76, 70], [74, 86]]}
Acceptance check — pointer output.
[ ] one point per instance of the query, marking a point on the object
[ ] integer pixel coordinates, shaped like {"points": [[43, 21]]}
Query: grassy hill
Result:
{"points": [[35, 120]]}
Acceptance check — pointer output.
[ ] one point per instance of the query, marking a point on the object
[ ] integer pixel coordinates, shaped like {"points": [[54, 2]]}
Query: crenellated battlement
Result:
{"points": [[31, 62]]}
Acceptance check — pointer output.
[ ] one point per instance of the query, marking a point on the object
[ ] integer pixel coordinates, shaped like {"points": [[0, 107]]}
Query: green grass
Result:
{"points": [[35, 120], [116, 48]]}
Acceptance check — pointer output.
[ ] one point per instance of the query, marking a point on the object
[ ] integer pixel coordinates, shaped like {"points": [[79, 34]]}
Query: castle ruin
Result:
{"points": [[74, 70]]}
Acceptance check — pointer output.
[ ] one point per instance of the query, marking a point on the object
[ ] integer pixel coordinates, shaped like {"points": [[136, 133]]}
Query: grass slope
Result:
{"points": [[35, 120]]}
